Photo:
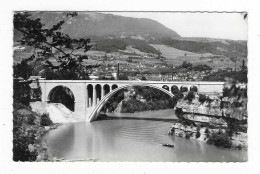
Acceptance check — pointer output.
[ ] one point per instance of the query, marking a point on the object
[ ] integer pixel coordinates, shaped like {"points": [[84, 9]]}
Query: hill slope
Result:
{"points": [[88, 24], [113, 33]]}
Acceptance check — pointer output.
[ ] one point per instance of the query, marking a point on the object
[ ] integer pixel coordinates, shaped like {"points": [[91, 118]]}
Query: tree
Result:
{"points": [[52, 42], [186, 65], [239, 76], [190, 96], [22, 70], [143, 78], [123, 77], [202, 68], [21, 92], [202, 98]]}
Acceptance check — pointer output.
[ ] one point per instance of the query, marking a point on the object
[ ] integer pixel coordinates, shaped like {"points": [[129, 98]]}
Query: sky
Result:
{"points": [[212, 25]]}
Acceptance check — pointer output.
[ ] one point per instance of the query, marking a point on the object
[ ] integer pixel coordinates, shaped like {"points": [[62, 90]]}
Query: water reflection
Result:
{"points": [[132, 137]]}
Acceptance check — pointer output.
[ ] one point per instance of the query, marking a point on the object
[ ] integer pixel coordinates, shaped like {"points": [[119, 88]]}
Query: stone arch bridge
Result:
{"points": [[88, 96]]}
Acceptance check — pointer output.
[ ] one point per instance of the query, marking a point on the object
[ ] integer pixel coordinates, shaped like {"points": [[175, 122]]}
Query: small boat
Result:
{"points": [[168, 145]]}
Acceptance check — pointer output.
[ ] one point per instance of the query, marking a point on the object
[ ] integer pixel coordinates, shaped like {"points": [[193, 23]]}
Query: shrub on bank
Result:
{"points": [[45, 120], [24, 133], [188, 135], [202, 98], [220, 139], [190, 96], [21, 143]]}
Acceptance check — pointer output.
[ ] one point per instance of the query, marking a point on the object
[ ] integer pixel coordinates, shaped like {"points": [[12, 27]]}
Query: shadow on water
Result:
{"points": [[105, 117]]}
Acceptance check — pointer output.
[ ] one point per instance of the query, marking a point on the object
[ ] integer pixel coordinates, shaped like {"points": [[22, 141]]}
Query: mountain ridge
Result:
{"points": [[114, 33], [101, 24]]}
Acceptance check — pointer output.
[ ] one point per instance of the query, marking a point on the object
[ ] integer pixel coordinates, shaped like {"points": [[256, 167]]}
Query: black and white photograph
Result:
{"points": [[127, 86]]}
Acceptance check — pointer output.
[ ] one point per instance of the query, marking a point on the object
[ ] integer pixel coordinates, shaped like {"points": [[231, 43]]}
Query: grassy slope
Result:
{"points": [[214, 46]]}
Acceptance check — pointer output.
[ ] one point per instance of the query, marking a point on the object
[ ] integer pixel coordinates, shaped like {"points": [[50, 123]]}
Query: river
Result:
{"points": [[132, 137]]}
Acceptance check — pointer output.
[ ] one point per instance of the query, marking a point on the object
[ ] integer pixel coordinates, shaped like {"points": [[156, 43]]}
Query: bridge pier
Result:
{"points": [[87, 100], [94, 96], [102, 91]]}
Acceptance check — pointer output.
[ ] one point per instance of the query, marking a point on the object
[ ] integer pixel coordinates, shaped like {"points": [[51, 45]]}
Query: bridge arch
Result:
{"points": [[174, 89], [166, 87], [184, 89], [194, 88], [106, 88], [62, 94], [102, 102], [114, 86]]}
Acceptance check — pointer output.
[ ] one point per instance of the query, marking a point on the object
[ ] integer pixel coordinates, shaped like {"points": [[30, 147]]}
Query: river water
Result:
{"points": [[132, 137]]}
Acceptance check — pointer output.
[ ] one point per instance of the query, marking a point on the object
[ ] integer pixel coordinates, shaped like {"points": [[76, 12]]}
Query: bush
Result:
{"points": [[202, 68], [190, 96], [178, 112], [202, 98], [23, 135], [21, 92], [207, 132], [186, 65], [226, 92], [187, 135], [176, 92], [235, 125], [30, 119], [21, 142], [143, 78], [197, 134], [219, 139], [45, 120]]}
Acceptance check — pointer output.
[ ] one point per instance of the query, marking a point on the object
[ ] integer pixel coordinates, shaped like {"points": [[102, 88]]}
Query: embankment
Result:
{"points": [[28, 129]]}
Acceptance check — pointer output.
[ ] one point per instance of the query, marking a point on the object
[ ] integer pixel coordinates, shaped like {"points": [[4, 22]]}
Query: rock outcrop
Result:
{"points": [[216, 119], [57, 112]]}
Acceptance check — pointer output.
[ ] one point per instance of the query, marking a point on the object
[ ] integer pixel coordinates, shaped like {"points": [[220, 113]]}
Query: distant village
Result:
{"points": [[127, 65], [139, 67]]}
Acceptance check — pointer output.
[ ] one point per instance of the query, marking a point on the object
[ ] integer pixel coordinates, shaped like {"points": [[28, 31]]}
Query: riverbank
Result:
{"points": [[214, 136], [42, 148], [28, 130]]}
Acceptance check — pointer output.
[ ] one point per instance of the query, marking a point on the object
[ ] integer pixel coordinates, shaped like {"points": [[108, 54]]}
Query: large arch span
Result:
{"points": [[102, 102], [64, 95]]}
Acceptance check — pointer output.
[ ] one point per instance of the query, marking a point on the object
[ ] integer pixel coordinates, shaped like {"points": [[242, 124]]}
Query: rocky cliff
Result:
{"points": [[220, 120]]}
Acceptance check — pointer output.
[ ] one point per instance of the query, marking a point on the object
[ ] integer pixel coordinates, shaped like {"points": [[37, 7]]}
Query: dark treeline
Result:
{"points": [[114, 45], [240, 76], [144, 99], [189, 66], [134, 105]]}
